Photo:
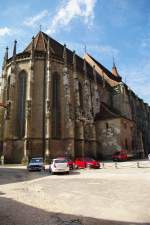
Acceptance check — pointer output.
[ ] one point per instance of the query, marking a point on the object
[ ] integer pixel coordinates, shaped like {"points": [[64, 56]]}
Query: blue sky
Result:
{"points": [[119, 28]]}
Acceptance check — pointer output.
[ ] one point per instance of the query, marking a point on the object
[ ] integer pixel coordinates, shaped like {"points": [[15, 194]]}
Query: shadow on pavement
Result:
{"points": [[14, 175], [16, 213]]}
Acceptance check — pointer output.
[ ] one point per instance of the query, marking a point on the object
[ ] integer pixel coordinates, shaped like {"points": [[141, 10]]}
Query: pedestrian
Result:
{"points": [[149, 156]]}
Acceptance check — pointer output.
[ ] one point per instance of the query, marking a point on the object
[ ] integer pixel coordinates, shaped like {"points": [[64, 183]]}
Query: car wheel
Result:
{"points": [[43, 169], [52, 173], [67, 172], [88, 166]]}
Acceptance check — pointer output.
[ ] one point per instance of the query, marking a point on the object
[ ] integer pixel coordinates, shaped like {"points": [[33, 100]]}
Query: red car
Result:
{"points": [[120, 156], [82, 163], [71, 164]]}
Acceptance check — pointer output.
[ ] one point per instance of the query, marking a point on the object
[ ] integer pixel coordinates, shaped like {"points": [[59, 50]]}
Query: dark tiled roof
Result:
{"points": [[40, 47], [106, 113], [107, 72]]}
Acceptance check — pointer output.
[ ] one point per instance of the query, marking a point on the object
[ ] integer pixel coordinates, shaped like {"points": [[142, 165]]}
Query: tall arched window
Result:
{"points": [[56, 106], [8, 88], [21, 103], [81, 95]]}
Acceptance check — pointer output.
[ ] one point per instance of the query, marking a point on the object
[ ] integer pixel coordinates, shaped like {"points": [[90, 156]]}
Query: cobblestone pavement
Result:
{"points": [[116, 194]]}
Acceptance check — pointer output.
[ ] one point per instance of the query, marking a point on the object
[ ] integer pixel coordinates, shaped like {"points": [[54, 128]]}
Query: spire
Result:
{"points": [[85, 67], [114, 62], [14, 50], [114, 69], [65, 55], [32, 48], [5, 57], [48, 48], [40, 27]]}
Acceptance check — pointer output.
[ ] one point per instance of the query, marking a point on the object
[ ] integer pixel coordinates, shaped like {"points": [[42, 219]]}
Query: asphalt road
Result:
{"points": [[115, 196]]}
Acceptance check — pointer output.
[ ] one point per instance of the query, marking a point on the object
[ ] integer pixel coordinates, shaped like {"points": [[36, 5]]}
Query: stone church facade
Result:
{"points": [[58, 104]]}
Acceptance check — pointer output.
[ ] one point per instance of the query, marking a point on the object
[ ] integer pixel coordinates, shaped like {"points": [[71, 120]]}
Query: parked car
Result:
{"points": [[59, 165], [120, 156], [71, 164], [36, 164], [82, 163]]}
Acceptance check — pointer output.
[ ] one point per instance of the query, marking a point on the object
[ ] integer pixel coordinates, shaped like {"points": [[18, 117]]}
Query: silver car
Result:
{"points": [[36, 164]]}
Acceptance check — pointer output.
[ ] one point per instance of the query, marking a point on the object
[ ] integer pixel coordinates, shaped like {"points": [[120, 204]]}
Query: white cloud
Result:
{"points": [[32, 21], [104, 49], [71, 10], [5, 31]]}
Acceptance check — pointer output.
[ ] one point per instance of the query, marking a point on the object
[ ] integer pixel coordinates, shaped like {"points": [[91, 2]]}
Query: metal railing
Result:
{"points": [[127, 164]]}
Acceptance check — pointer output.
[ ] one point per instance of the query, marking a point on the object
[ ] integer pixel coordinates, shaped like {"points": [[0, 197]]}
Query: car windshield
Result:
{"points": [[60, 161], [89, 160], [36, 160]]}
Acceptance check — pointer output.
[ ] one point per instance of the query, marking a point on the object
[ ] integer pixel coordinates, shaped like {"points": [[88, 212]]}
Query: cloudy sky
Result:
{"points": [[112, 28]]}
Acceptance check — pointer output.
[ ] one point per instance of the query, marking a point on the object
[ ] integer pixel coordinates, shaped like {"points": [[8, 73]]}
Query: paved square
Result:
{"points": [[105, 196]]}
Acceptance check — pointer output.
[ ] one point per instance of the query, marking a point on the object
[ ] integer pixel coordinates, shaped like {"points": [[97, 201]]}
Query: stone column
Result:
{"points": [[96, 97], [79, 125], [76, 89], [4, 78], [96, 109], [87, 95], [69, 114], [88, 110], [12, 104], [29, 105], [48, 103], [4, 91]]}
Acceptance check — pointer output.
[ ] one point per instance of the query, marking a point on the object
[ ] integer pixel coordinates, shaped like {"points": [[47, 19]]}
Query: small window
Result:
{"points": [[107, 126], [56, 106]]}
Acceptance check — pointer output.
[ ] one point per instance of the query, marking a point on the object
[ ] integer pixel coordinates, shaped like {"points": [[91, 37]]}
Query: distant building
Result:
{"points": [[59, 104]]}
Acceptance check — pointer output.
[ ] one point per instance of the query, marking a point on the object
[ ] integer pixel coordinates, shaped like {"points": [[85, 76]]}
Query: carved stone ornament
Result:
{"points": [[65, 70], [28, 108], [8, 110], [13, 67], [71, 112], [48, 108]]}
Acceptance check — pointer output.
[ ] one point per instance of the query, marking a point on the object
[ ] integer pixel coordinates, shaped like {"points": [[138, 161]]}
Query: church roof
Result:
{"points": [[40, 45], [109, 74], [106, 113]]}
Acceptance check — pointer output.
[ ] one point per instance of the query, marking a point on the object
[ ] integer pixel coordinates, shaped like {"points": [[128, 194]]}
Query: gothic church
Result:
{"points": [[59, 104]]}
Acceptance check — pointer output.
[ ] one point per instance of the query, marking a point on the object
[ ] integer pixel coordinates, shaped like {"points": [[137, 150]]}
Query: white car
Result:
{"points": [[59, 165]]}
